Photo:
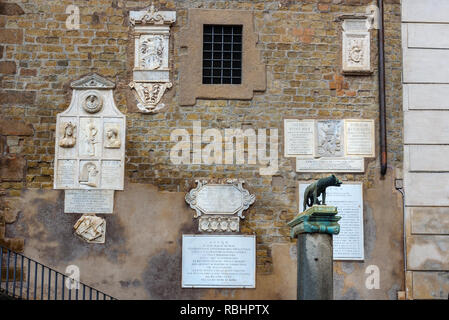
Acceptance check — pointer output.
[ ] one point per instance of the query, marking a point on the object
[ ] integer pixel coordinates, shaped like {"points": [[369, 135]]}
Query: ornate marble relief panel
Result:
{"points": [[219, 206], [151, 73], [356, 52], [90, 138]]}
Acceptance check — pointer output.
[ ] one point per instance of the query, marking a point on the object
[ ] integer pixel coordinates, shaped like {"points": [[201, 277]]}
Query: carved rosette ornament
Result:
{"points": [[219, 206], [151, 73]]}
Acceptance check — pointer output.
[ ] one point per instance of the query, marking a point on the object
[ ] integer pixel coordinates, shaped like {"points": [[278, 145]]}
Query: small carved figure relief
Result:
{"points": [[92, 104], [89, 175], [112, 138], [151, 50], [329, 138], [91, 228], [91, 138], [68, 139]]}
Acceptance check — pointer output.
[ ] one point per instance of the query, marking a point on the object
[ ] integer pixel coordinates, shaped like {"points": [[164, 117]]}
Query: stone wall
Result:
{"points": [[299, 42]]}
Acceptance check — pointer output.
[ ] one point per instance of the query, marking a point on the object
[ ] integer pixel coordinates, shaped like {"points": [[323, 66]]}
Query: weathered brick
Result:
{"points": [[11, 9], [28, 72], [299, 44], [17, 97], [7, 67], [12, 36], [10, 127], [12, 167]]}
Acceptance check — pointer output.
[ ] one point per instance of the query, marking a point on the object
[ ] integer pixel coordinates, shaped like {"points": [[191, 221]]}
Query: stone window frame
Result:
{"points": [[191, 58]]}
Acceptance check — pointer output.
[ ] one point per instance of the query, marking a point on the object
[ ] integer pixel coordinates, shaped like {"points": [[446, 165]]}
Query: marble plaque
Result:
{"points": [[330, 165], [89, 201], [218, 261], [228, 198], [299, 137], [151, 73], [90, 138], [359, 137], [329, 138], [348, 198], [66, 173], [356, 52], [213, 223], [329, 145]]}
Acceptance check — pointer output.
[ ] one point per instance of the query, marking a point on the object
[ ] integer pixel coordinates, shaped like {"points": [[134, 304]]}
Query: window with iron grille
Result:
{"points": [[222, 54]]}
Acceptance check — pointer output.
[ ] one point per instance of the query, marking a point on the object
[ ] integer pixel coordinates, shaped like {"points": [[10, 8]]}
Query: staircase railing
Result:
{"points": [[25, 278]]}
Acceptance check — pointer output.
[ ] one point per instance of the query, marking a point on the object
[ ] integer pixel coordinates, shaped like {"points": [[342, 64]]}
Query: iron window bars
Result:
{"points": [[222, 54]]}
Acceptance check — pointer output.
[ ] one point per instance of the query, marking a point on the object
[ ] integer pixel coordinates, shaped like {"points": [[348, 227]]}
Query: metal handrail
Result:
{"points": [[28, 287]]}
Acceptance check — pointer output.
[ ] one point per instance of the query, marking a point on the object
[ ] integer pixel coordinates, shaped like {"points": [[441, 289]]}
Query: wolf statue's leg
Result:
{"points": [[324, 197], [315, 197]]}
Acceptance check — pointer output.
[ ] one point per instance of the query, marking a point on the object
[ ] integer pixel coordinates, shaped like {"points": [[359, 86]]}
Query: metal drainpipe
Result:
{"points": [[382, 119]]}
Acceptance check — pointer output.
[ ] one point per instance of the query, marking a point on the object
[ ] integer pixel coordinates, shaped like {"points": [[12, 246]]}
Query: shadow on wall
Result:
{"points": [[141, 258]]}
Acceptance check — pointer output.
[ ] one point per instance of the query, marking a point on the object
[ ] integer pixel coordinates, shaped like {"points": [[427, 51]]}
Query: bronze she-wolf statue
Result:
{"points": [[318, 188]]}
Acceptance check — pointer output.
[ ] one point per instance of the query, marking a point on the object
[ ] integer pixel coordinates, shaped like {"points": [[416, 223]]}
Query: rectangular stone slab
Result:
{"points": [[430, 285], [89, 201], [426, 127], [428, 252], [330, 165], [218, 261], [425, 11], [429, 220]]}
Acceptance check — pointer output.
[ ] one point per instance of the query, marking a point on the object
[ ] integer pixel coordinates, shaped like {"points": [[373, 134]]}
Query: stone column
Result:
{"points": [[314, 228]]}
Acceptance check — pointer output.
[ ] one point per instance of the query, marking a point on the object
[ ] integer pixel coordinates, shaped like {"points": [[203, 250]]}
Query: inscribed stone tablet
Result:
{"points": [[330, 165], [348, 198], [89, 201], [219, 199], [359, 136], [66, 173], [218, 261], [298, 137]]}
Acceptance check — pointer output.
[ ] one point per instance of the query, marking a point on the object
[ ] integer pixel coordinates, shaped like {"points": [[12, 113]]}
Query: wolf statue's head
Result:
{"points": [[335, 181]]}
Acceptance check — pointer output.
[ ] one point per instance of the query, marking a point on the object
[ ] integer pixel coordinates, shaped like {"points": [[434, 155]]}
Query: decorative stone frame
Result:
{"points": [[225, 219], [359, 28], [151, 71], [191, 53], [83, 161]]}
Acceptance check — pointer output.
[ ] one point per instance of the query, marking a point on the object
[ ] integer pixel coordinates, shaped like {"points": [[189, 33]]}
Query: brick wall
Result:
{"points": [[299, 42]]}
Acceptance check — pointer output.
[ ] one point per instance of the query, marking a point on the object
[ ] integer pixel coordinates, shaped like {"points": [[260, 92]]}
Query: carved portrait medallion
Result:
{"points": [[92, 103]]}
